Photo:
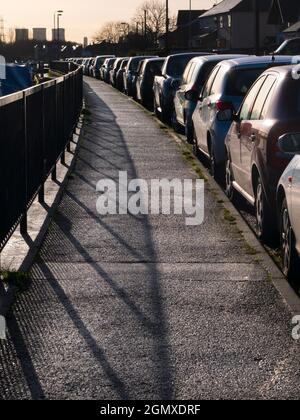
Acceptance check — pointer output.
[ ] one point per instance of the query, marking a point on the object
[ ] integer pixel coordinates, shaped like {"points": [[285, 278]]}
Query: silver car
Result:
{"points": [[288, 205]]}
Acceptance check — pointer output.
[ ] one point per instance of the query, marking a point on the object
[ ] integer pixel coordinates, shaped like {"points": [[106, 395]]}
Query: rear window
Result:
{"points": [[241, 80], [135, 64], [290, 98], [204, 73], [177, 65], [155, 67]]}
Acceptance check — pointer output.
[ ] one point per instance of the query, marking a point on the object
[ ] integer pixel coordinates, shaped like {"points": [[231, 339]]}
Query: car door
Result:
{"points": [[180, 95], [202, 111], [293, 197], [240, 133], [253, 135]]}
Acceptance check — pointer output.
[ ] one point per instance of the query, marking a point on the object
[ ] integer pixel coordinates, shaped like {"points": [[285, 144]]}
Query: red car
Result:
{"points": [[255, 162]]}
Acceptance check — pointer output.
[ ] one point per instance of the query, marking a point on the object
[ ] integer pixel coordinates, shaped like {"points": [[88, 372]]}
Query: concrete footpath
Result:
{"points": [[126, 307]]}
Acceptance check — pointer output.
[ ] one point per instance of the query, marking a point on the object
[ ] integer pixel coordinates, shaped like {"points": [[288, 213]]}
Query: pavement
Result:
{"points": [[144, 307]]}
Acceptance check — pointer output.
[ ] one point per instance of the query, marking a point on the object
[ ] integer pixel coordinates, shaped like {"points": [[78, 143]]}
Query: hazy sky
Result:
{"points": [[81, 17]]}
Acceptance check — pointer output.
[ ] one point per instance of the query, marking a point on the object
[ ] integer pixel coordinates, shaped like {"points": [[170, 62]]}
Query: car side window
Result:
{"points": [[250, 98], [191, 72], [263, 100], [208, 85], [218, 82], [186, 73]]}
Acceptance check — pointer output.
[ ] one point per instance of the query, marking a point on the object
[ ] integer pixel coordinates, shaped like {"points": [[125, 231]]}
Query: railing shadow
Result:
{"points": [[64, 234]]}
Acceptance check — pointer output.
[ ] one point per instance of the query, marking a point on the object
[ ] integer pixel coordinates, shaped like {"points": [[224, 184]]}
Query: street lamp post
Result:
{"points": [[59, 14], [167, 26], [190, 25]]}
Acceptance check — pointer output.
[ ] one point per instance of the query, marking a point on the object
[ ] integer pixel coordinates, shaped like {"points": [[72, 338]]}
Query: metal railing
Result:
{"points": [[36, 127]]}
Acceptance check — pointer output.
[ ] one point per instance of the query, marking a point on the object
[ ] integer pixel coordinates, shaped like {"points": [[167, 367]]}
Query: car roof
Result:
{"points": [[256, 60], [150, 60], [218, 57], [284, 70], [189, 53]]}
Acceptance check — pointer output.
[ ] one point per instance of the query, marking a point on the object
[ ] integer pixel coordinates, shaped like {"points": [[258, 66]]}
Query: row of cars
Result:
{"points": [[243, 114]]}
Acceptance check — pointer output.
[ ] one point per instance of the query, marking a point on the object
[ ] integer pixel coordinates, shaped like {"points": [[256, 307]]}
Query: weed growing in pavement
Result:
{"points": [[17, 279]]}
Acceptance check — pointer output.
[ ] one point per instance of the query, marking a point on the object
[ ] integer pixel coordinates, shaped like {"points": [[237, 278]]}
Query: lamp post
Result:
{"points": [[59, 14], [190, 25], [167, 26], [257, 27]]}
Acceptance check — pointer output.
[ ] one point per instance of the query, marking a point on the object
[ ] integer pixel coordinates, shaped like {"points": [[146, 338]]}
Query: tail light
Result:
{"points": [[223, 106]]}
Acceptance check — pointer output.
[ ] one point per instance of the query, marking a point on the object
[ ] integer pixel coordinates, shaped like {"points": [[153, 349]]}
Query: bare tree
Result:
{"points": [[111, 32], [11, 35], [153, 13]]}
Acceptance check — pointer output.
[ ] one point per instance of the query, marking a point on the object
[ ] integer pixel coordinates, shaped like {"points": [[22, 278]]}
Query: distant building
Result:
{"points": [[22, 34], [61, 35], [85, 42], [285, 12], [39, 34], [231, 25]]}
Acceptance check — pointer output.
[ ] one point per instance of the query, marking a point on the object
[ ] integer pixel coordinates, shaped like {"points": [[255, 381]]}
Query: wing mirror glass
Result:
{"points": [[226, 115], [191, 95], [290, 143], [175, 84]]}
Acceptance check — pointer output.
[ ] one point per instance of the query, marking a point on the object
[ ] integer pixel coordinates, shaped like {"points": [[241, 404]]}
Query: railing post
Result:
{"points": [[63, 158], [42, 194], [24, 225], [54, 174]]}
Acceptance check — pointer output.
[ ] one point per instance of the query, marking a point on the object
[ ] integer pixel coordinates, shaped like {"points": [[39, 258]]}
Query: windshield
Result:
{"points": [[177, 65], [241, 80], [135, 64]]}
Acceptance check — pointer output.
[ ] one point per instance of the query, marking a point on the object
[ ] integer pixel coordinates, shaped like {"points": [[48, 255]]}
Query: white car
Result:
{"points": [[288, 202]]}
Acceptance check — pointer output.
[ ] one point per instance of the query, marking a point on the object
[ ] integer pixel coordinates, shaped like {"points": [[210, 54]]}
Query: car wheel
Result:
{"points": [[216, 169], [155, 109], [229, 178], [196, 150], [290, 259], [189, 132], [264, 217], [174, 122]]}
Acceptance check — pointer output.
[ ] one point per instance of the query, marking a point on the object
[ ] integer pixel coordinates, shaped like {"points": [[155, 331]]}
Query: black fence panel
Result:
{"points": [[51, 147], [34, 141], [36, 125]]}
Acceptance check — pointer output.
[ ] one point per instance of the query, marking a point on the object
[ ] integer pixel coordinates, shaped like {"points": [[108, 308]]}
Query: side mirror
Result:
{"points": [[191, 95], [226, 115], [175, 84], [290, 143]]}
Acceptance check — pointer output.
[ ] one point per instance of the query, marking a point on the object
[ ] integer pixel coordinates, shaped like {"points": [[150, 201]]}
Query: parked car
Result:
{"points": [[288, 206], [114, 70], [130, 73], [86, 67], [166, 84], [106, 68], [254, 161], [120, 75], [225, 90], [99, 61], [91, 66], [195, 75], [289, 47], [145, 79]]}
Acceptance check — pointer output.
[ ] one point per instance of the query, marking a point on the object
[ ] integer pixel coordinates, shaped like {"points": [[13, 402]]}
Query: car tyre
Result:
{"points": [[290, 259], [196, 150], [216, 170], [264, 217], [189, 132], [229, 179]]}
